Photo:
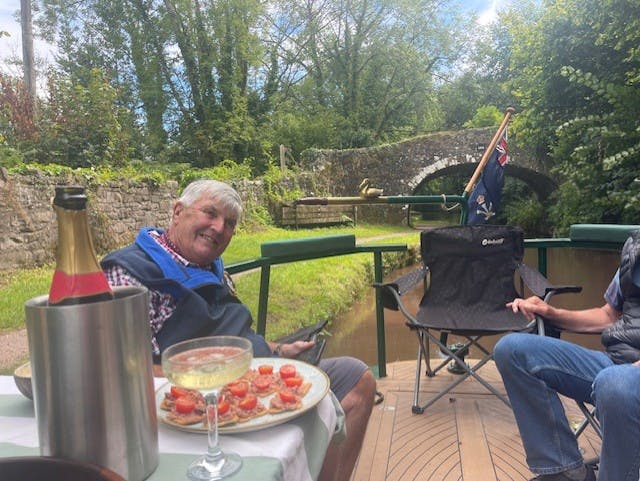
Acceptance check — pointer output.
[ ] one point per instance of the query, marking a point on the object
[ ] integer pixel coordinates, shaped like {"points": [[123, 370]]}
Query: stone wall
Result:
{"points": [[116, 212]]}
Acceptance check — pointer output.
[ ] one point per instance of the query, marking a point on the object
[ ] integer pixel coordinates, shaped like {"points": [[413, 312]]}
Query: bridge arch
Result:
{"points": [[401, 168]]}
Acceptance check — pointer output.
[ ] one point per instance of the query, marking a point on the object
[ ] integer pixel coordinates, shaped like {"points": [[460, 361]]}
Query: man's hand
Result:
{"points": [[529, 307], [295, 348], [593, 320]]}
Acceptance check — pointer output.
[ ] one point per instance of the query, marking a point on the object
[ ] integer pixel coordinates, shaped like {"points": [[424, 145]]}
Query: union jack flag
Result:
{"points": [[484, 201]]}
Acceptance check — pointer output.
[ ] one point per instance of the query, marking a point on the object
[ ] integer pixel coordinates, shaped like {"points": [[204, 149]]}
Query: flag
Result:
{"points": [[484, 201]]}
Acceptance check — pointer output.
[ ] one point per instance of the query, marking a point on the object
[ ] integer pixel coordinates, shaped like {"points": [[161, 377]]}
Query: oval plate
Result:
{"points": [[319, 389]]}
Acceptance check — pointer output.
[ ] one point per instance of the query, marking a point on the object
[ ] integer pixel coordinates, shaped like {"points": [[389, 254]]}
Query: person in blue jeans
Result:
{"points": [[536, 369]]}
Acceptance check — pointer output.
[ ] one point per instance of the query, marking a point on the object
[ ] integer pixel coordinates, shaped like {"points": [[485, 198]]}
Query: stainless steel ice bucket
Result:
{"points": [[92, 381]]}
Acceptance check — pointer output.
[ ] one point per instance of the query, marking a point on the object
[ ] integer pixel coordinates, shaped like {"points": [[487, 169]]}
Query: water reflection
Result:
{"points": [[354, 333]]}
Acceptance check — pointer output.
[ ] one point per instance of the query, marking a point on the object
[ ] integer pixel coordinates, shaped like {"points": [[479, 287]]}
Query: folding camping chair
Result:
{"points": [[469, 275]]}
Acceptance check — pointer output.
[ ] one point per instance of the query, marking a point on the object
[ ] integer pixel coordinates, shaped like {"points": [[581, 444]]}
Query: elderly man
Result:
{"points": [[535, 369], [191, 296]]}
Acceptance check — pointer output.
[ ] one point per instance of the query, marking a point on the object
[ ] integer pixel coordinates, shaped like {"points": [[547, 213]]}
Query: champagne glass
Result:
{"points": [[207, 364]]}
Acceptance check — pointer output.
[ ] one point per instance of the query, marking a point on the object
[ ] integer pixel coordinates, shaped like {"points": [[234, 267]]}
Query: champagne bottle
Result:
{"points": [[78, 278]]}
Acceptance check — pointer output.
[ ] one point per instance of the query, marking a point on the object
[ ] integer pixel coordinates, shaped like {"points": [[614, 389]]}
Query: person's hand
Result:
{"points": [[157, 370], [295, 348], [529, 307]]}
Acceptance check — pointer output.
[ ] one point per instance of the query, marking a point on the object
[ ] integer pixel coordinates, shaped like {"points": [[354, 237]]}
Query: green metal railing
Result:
{"points": [[294, 250], [588, 236], [582, 236]]}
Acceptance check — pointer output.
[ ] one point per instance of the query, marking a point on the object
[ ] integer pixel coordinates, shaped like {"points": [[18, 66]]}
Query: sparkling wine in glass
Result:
{"points": [[207, 364]]}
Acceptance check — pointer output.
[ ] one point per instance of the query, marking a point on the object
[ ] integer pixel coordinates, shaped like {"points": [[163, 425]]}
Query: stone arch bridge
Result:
{"points": [[401, 168]]}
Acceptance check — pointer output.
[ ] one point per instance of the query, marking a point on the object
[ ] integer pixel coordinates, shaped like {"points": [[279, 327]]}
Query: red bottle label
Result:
{"points": [[64, 286]]}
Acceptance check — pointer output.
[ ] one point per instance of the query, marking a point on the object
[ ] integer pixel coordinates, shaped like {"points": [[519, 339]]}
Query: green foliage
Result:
{"points": [[81, 125], [234, 79], [9, 157], [575, 67], [278, 187], [54, 170], [527, 213], [226, 171], [485, 116], [300, 128], [139, 84], [481, 78], [17, 118], [599, 154]]}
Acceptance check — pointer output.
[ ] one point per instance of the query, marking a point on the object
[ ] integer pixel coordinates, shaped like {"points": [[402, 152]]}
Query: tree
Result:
{"points": [[478, 79], [182, 65], [366, 66], [575, 71], [82, 126], [28, 59], [209, 80], [17, 116]]}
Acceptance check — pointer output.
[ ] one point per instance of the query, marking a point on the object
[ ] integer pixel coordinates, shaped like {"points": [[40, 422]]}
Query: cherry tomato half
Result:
{"points": [[287, 370], [223, 407], [248, 403], [265, 369], [177, 392], [287, 396], [239, 388], [185, 404], [294, 381]]}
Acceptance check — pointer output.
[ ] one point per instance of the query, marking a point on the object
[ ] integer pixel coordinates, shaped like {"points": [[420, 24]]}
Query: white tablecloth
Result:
{"points": [[293, 451]]}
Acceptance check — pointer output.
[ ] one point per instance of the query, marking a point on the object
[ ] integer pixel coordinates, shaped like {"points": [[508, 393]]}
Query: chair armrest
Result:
{"points": [[308, 333], [540, 285], [401, 286]]}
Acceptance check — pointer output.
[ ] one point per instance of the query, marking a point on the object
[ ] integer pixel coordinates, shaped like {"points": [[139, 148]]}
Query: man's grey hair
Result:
{"points": [[216, 190]]}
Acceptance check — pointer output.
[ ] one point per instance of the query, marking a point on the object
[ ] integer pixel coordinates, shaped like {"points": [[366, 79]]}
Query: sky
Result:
{"points": [[11, 46]]}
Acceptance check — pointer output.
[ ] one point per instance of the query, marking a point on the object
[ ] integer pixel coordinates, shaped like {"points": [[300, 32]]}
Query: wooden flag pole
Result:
{"points": [[488, 151]]}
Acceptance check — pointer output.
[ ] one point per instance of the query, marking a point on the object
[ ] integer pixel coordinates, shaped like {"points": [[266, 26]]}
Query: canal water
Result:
{"points": [[354, 333]]}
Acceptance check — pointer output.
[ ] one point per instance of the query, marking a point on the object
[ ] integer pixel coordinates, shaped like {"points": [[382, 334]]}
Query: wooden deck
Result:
{"points": [[468, 435]]}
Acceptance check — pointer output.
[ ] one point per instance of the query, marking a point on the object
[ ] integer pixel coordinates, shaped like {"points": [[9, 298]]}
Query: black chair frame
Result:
{"points": [[392, 293]]}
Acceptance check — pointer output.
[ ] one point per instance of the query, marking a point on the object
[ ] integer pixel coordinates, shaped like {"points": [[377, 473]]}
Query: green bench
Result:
{"points": [[587, 236], [601, 234]]}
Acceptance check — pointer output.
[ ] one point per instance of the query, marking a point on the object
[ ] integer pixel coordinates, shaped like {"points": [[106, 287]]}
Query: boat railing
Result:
{"points": [[588, 236], [294, 250]]}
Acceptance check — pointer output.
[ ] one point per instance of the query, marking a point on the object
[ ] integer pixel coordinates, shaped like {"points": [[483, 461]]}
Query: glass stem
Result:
{"points": [[214, 453]]}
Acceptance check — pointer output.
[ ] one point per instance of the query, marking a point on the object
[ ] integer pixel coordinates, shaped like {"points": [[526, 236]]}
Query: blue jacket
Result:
{"points": [[205, 304]]}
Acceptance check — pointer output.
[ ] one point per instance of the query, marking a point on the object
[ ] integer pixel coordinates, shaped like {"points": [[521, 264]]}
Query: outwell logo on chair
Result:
{"points": [[493, 242]]}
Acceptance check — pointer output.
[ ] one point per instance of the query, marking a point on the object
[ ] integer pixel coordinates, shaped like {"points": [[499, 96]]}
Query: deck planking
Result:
{"points": [[467, 435]]}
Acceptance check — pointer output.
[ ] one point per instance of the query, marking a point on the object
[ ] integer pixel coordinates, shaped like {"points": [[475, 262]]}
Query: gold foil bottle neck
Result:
{"points": [[78, 278]]}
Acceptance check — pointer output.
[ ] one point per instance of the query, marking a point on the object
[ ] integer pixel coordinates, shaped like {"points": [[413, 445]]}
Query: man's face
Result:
{"points": [[201, 231]]}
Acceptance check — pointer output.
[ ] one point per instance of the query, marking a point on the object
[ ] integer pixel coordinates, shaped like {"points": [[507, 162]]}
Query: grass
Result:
{"points": [[300, 293], [16, 287], [303, 293], [246, 245]]}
